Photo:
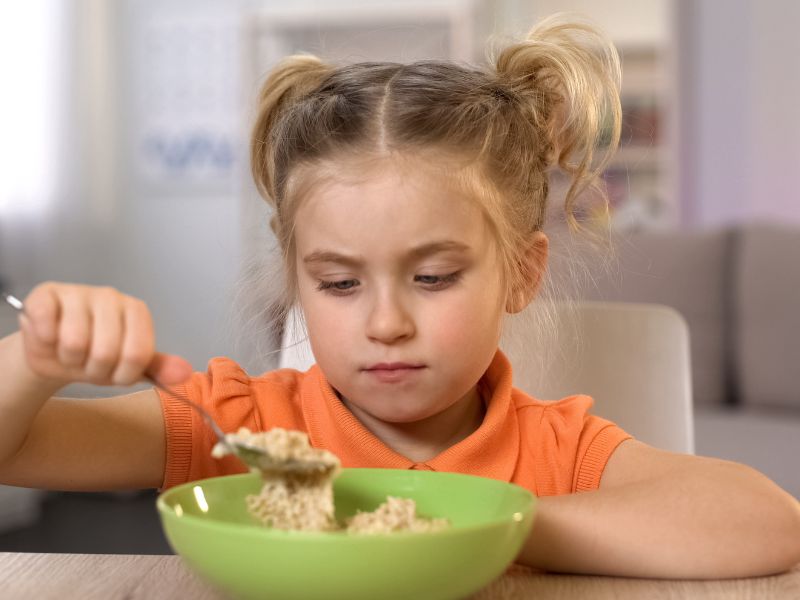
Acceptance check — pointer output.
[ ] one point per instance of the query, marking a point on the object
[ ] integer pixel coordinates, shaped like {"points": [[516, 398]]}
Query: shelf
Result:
{"points": [[638, 158], [642, 72]]}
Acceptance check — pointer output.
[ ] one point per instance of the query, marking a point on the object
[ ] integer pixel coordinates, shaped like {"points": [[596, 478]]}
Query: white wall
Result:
{"points": [[178, 249], [177, 240]]}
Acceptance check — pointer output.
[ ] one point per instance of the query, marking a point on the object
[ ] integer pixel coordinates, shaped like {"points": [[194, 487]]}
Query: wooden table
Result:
{"points": [[111, 576]]}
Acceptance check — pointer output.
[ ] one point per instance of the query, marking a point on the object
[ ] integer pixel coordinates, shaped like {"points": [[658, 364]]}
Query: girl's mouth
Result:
{"points": [[393, 366], [393, 372]]}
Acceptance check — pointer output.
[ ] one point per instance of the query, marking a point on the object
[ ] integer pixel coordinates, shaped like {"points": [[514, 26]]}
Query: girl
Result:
{"points": [[409, 202]]}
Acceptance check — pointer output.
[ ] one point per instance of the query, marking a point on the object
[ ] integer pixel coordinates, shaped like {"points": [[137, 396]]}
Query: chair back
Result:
{"points": [[633, 359]]}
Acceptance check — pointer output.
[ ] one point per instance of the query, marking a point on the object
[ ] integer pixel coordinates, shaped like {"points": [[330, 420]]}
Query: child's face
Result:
{"points": [[438, 311]]}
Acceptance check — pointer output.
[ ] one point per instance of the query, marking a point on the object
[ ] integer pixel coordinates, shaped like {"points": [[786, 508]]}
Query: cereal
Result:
{"points": [[306, 504], [396, 514]]}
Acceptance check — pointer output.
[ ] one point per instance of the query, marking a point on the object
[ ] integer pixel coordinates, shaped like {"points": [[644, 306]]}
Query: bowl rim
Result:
{"points": [[528, 512]]}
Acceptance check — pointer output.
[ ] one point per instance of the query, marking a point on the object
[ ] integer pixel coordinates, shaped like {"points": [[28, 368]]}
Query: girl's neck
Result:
{"points": [[423, 440]]}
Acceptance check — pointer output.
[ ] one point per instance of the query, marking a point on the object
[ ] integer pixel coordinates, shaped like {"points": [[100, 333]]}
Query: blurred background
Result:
{"points": [[123, 162]]}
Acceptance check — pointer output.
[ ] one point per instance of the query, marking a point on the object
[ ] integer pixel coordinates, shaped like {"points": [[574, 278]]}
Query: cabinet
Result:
{"points": [[640, 179]]}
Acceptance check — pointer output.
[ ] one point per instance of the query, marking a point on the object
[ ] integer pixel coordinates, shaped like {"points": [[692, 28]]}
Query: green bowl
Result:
{"points": [[207, 523]]}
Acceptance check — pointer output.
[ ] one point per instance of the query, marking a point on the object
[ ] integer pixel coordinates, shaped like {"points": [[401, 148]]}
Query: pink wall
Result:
{"points": [[738, 121]]}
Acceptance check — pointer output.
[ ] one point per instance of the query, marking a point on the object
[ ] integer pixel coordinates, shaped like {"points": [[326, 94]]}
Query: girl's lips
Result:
{"points": [[393, 373], [393, 366]]}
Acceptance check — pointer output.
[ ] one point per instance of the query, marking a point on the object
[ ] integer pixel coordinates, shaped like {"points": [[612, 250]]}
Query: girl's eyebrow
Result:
{"points": [[421, 251]]}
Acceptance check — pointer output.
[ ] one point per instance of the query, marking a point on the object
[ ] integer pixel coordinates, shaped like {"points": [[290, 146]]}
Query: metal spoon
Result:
{"points": [[252, 456]]}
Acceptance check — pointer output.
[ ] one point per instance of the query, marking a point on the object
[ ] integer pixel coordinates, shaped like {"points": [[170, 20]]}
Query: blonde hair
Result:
{"points": [[548, 101]]}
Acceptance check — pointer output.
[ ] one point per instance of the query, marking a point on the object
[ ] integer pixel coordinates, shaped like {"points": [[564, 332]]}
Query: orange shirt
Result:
{"points": [[547, 447]]}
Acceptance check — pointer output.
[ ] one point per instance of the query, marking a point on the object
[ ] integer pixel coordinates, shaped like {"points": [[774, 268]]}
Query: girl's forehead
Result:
{"points": [[364, 183], [387, 206], [397, 171]]}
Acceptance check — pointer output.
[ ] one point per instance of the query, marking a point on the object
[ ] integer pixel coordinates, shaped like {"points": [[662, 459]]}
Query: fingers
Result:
{"points": [[93, 334], [42, 313], [39, 325], [168, 369], [107, 331], [138, 344], [75, 327], [35, 348]]}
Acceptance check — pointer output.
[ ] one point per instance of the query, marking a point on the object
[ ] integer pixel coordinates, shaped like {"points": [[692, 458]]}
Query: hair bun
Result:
{"points": [[569, 73], [292, 78]]}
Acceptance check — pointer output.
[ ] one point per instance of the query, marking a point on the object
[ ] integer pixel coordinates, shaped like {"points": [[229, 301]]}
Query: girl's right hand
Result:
{"points": [[78, 333]]}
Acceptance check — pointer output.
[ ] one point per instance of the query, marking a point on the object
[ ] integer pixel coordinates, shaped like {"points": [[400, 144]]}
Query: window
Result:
{"points": [[30, 39]]}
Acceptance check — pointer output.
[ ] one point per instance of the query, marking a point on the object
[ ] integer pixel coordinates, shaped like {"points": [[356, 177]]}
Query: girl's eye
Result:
{"points": [[346, 287], [438, 282], [338, 288]]}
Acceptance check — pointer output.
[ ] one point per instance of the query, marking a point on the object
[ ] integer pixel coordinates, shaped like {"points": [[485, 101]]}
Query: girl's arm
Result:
{"points": [[96, 335], [83, 445], [664, 515]]}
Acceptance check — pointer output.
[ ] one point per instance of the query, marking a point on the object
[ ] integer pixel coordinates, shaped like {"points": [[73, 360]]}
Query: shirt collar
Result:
{"points": [[490, 451]]}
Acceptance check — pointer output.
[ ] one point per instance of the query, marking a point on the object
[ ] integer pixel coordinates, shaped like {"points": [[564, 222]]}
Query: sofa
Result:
{"points": [[738, 287]]}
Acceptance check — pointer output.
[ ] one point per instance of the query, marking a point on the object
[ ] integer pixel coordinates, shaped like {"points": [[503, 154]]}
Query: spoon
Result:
{"points": [[254, 457]]}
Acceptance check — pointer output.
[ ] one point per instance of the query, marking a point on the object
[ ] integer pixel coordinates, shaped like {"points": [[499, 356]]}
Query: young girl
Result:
{"points": [[409, 202]]}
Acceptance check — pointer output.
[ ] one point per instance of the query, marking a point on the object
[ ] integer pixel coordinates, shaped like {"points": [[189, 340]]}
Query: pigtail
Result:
{"points": [[293, 78], [568, 75]]}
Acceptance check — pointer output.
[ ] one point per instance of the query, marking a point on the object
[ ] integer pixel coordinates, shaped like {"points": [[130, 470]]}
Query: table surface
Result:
{"points": [[110, 576]]}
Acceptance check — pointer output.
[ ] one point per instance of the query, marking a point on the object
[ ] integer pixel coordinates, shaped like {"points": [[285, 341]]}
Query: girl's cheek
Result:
{"points": [[464, 323]]}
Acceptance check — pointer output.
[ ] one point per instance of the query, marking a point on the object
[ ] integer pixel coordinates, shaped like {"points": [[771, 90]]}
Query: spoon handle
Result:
{"points": [[14, 302], [200, 410]]}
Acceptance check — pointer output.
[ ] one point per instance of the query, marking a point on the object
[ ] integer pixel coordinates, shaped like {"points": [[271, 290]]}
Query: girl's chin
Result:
{"points": [[405, 419], [393, 417]]}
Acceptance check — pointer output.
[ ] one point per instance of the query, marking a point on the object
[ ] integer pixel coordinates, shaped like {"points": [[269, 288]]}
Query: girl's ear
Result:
{"points": [[534, 264]]}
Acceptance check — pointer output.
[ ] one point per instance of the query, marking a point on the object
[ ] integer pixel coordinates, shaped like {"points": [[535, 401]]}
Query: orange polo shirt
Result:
{"points": [[547, 447]]}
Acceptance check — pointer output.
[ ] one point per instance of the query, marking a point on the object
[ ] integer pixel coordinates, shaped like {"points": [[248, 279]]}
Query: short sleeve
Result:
{"points": [[224, 391], [577, 444]]}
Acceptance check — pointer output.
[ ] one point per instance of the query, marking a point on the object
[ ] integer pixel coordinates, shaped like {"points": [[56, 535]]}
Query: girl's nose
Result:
{"points": [[389, 321]]}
